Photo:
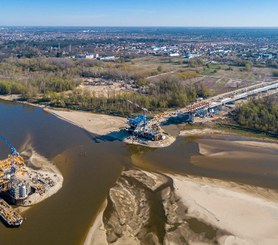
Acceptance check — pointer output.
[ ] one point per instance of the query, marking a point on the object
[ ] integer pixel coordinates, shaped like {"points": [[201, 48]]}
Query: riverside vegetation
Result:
{"points": [[55, 82], [260, 114]]}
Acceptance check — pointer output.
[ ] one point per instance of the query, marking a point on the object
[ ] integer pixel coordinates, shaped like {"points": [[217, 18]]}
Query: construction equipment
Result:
{"points": [[145, 110], [13, 153]]}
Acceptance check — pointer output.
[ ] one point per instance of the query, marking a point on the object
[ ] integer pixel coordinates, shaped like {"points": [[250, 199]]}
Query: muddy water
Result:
{"points": [[90, 167], [229, 160], [89, 170]]}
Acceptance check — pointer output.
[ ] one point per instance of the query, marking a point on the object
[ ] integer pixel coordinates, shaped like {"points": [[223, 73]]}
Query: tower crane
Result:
{"points": [[14, 152]]}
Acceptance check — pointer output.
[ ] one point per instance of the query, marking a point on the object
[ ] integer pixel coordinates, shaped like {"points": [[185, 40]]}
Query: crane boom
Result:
{"points": [[135, 104], [13, 153], [13, 150]]}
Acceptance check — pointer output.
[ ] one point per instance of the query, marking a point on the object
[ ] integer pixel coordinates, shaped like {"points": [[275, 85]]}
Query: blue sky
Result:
{"points": [[253, 13]]}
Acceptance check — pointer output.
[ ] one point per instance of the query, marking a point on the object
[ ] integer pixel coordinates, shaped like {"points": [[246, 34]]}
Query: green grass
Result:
{"points": [[209, 72]]}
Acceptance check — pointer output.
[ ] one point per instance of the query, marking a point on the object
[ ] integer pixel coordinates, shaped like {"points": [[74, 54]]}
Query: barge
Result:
{"points": [[10, 217]]}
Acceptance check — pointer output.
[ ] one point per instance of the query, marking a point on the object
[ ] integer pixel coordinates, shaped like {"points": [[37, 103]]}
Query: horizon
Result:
{"points": [[131, 26], [157, 13]]}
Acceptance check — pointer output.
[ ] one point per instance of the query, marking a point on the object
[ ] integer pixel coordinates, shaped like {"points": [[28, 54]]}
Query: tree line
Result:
{"points": [[260, 114], [161, 96]]}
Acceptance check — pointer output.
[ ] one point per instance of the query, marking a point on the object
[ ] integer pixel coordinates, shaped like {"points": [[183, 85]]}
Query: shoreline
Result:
{"points": [[99, 124], [97, 225], [112, 126]]}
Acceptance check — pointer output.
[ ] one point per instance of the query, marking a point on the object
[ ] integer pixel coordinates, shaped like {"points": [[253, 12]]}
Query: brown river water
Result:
{"points": [[90, 166]]}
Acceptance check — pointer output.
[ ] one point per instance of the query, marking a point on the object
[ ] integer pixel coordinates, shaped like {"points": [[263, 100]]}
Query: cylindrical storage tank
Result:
{"points": [[23, 191]]}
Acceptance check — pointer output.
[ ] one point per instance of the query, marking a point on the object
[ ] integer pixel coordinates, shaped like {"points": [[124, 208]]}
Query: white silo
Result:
{"points": [[22, 191]]}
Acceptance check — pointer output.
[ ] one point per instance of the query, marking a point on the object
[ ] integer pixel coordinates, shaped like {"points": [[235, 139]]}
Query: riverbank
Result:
{"points": [[99, 124], [208, 130], [113, 126], [10, 97]]}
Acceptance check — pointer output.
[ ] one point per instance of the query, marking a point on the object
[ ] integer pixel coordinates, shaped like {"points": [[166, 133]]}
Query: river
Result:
{"points": [[91, 166]]}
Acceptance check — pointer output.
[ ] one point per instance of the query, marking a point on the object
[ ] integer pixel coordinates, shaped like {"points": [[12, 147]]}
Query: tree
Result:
{"points": [[248, 65], [159, 69]]}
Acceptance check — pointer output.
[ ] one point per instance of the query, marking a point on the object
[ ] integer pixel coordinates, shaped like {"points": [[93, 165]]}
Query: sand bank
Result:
{"points": [[94, 123], [219, 148], [105, 125], [42, 166], [205, 131], [235, 214], [249, 218], [258, 144]]}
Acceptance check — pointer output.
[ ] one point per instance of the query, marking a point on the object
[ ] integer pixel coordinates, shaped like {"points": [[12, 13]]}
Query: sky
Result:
{"points": [[188, 13]]}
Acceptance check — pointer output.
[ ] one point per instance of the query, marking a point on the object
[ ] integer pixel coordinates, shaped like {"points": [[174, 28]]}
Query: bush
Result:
{"points": [[7, 87]]}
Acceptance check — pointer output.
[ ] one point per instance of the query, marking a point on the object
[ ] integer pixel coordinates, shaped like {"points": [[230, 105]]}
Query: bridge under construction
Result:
{"points": [[214, 104], [150, 128]]}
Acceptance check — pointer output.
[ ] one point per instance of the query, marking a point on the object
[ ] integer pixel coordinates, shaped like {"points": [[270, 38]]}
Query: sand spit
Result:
{"points": [[94, 123]]}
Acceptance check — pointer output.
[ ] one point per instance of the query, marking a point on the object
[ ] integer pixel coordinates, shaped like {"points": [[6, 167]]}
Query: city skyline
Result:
{"points": [[214, 13]]}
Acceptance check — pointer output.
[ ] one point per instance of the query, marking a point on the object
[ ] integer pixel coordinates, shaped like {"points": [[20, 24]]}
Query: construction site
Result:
{"points": [[148, 131], [21, 186], [144, 131]]}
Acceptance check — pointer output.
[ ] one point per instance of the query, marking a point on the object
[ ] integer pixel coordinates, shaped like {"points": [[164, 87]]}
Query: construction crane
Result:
{"points": [[145, 110], [14, 152]]}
